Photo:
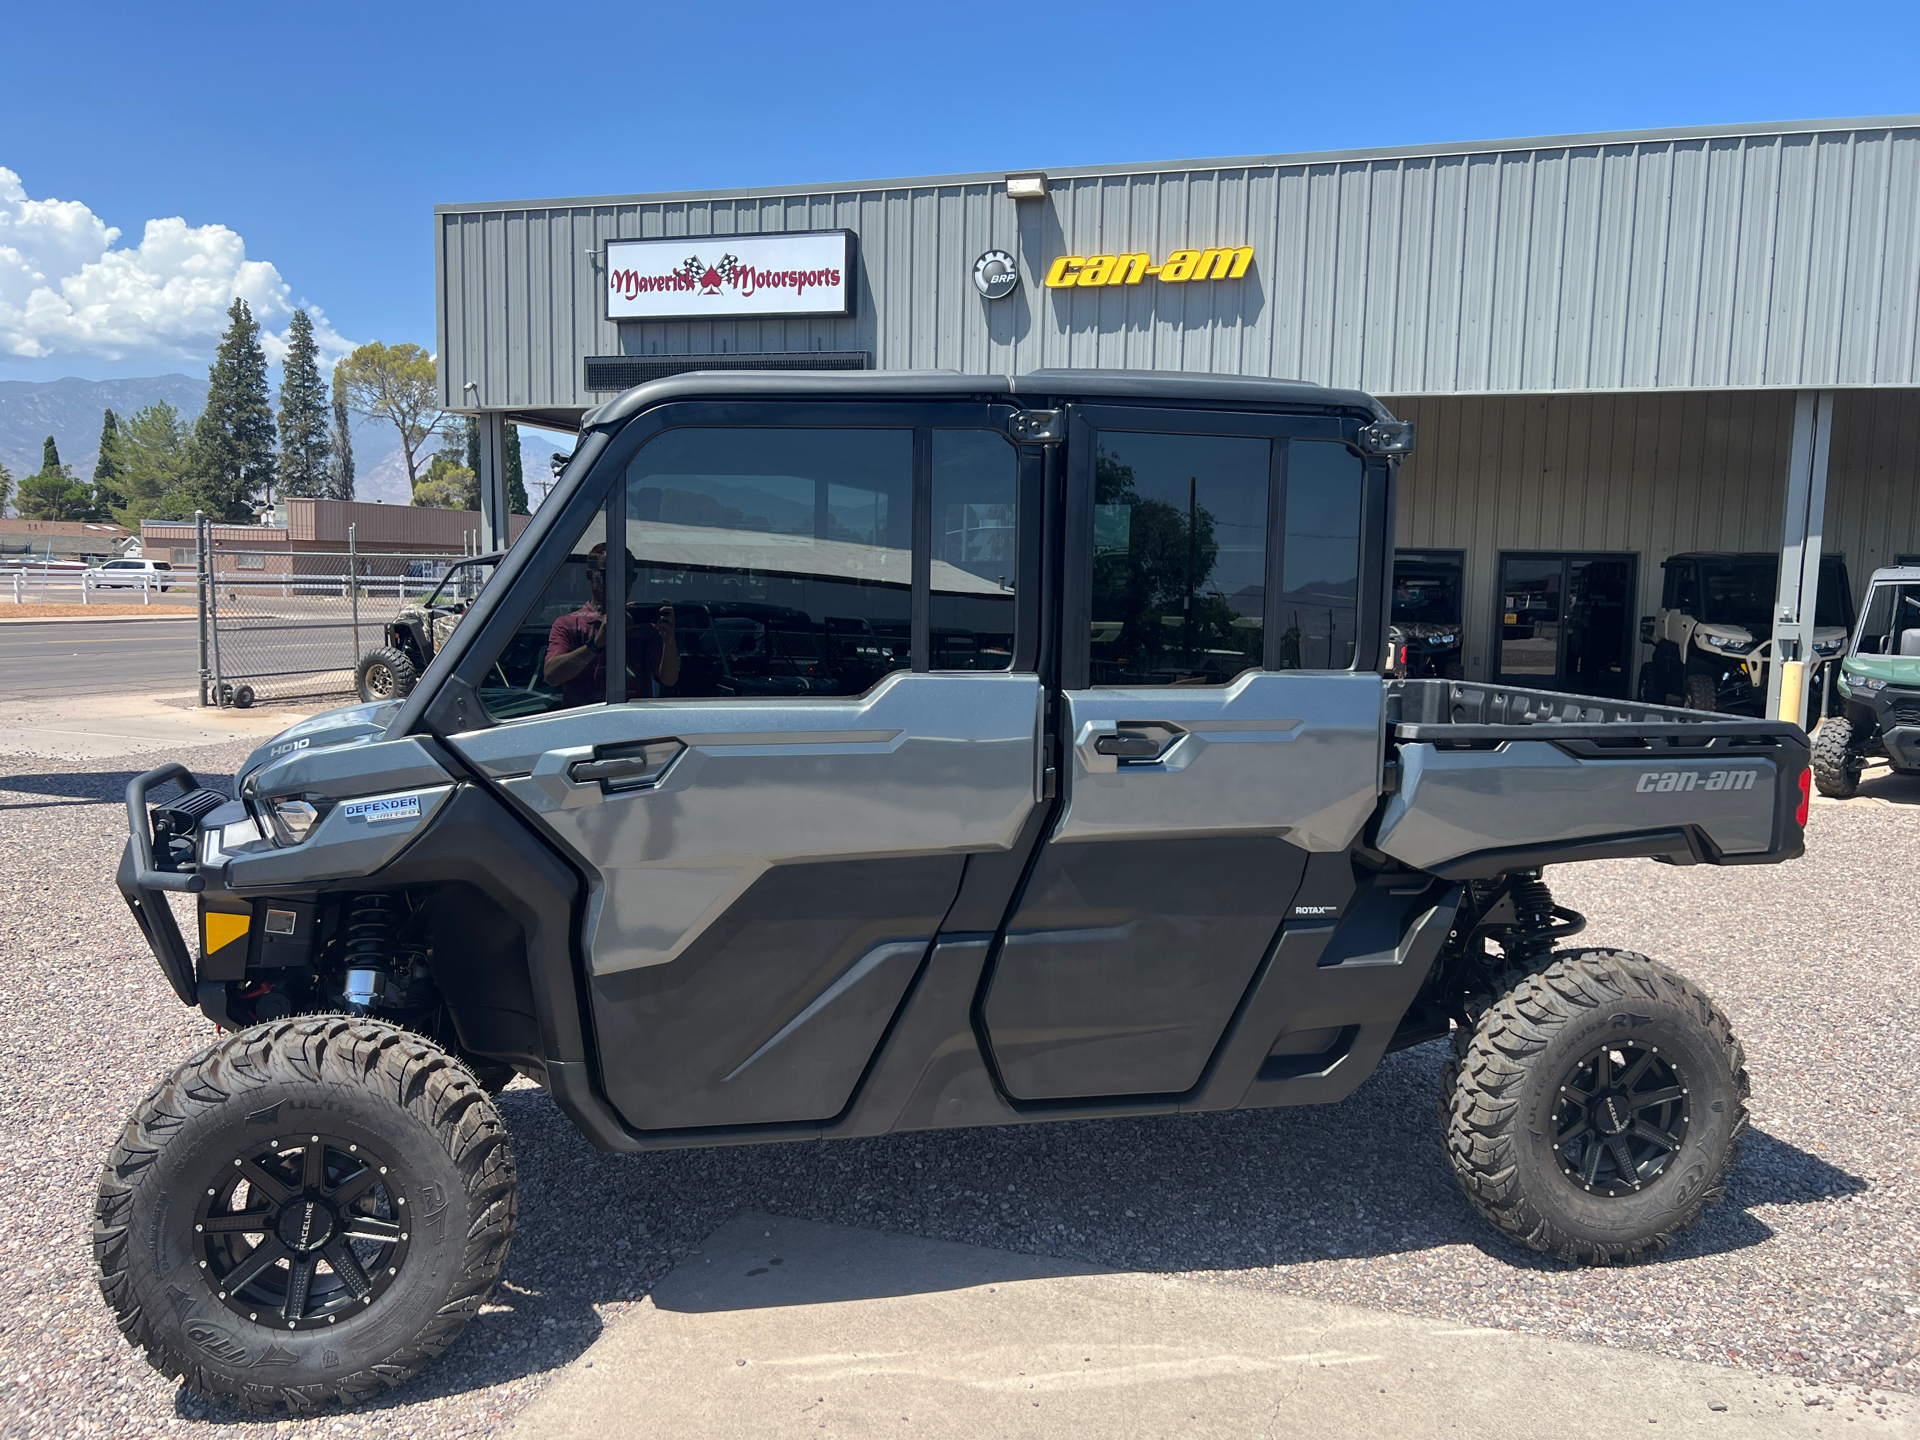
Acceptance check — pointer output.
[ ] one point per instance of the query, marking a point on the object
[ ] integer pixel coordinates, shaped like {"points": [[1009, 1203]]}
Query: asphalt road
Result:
{"points": [[54, 659]]}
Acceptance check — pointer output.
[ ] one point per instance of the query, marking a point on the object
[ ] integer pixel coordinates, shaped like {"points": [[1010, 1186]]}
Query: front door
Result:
{"points": [[1566, 622], [1220, 715], [771, 786]]}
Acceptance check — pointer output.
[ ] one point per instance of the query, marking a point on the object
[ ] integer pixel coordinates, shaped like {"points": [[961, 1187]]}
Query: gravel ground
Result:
{"points": [[1809, 1268]]}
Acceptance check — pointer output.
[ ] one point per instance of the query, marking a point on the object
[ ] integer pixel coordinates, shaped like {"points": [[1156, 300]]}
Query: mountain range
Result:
{"points": [[70, 410]]}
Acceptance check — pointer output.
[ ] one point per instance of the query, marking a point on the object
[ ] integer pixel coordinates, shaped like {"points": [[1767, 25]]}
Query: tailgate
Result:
{"points": [[1474, 801]]}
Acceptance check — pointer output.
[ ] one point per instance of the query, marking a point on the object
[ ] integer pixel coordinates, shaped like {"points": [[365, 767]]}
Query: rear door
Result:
{"points": [[772, 787], [1220, 711]]}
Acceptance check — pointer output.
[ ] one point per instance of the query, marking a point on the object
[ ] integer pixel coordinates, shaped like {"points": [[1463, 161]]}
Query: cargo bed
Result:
{"points": [[1485, 779]]}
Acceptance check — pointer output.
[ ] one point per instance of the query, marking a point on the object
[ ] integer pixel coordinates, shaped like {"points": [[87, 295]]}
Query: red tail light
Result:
{"points": [[1806, 797], [1403, 654]]}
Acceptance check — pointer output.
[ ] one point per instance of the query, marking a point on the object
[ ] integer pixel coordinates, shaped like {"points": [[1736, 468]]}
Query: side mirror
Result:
{"points": [[1646, 629]]}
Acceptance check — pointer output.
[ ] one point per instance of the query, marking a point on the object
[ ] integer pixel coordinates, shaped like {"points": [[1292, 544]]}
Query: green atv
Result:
{"points": [[1880, 687], [415, 635]]}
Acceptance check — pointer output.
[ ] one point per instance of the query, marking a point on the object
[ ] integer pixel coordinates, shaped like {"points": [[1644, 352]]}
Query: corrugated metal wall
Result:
{"points": [[1654, 475], [1787, 259]]}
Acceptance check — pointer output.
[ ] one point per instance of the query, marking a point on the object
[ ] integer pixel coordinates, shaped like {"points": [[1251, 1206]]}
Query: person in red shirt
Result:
{"points": [[577, 645]]}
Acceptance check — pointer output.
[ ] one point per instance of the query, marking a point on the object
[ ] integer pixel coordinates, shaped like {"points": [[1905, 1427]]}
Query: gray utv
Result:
{"points": [[843, 755]]}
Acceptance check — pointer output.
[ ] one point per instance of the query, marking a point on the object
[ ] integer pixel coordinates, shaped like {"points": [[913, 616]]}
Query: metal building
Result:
{"points": [[1617, 347]]}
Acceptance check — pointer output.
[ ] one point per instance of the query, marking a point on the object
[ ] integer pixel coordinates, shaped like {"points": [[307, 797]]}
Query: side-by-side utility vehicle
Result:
{"points": [[1878, 715], [1712, 636], [842, 755], [414, 636]]}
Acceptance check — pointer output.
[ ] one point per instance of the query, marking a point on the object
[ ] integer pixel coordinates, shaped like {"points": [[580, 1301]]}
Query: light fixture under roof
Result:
{"points": [[1027, 187]]}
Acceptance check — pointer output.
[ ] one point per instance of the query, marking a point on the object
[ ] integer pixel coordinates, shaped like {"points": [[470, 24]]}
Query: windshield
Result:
{"points": [[1426, 591], [462, 584], [1892, 611], [1738, 592], [1835, 604]]}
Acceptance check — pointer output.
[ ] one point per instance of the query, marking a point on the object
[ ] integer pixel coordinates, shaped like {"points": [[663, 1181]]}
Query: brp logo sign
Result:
{"points": [[996, 275]]}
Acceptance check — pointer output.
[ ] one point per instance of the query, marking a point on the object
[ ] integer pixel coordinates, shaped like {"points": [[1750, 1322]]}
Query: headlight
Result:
{"points": [[1730, 646], [1864, 682], [1831, 647], [1445, 639], [293, 817]]}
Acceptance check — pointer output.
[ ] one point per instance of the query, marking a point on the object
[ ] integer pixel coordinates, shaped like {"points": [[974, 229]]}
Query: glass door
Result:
{"points": [[1565, 622]]}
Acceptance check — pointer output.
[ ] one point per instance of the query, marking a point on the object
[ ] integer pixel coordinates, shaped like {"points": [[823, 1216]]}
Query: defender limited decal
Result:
{"points": [[1663, 781], [386, 807]]}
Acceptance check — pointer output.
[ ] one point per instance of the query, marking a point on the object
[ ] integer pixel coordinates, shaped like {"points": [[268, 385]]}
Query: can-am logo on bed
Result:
{"points": [[711, 277]]}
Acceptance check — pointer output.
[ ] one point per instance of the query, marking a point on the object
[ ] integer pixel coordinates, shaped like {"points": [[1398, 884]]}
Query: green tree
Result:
{"points": [[55, 495], [340, 481], [448, 485], [6, 488], [154, 475], [106, 470], [231, 453], [305, 445], [50, 458], [516, 479], [398, 384]]}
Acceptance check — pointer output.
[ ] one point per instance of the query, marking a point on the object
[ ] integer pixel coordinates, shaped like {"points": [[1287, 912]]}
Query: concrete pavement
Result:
{"points": [[106, 726], [783, 1327]]}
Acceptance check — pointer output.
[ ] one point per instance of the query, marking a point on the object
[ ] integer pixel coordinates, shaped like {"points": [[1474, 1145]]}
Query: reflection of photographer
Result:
{"points": [[577, 643]]}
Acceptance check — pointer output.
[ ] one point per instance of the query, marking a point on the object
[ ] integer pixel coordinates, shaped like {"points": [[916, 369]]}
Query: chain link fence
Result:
{"points": [[293, 624]]}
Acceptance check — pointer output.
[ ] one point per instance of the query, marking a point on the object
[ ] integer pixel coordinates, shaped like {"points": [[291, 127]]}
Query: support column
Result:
{"points": [[1799, 586], [493, 481]]}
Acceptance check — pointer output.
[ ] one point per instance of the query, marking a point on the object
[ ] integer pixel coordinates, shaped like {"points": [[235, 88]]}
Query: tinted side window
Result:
{"points": [[1320, 564], [976, 476], [1179, 557], [557, 657], [769, 562]]}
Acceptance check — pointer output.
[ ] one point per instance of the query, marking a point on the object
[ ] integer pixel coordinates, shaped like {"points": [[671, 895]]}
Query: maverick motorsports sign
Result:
{"points": [[1086, 272], [730, 277]]}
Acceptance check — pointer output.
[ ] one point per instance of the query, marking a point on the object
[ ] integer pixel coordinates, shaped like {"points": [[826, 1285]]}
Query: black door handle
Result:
{"points": [[619, 766], [1127, 745]]}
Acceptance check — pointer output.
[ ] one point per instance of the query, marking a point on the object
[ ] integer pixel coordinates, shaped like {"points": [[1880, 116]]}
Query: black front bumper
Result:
{"points": [[144, 888]]}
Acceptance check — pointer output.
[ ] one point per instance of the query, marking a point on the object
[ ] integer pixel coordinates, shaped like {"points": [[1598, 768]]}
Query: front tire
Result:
{"points": [[1836, 768], [1702, 693], [1597, 1108], [381, 1183], [384, 674]]}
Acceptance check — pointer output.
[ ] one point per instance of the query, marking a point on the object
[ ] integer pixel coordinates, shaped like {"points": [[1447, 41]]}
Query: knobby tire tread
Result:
{"points": [[1480, 1087], [418, 1077]]}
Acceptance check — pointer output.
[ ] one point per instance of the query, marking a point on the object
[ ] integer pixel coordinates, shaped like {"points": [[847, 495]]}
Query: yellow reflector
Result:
{"points": [[223, 930]]}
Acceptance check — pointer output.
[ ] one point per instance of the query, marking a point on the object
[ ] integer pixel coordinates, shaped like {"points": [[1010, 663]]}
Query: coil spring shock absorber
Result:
{"points": [[1541, 924], [371, 922]]}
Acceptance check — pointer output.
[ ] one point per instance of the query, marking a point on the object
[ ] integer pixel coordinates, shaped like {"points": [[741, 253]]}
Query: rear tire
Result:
{"points": [[1585, 1053], [384, 674], [1702, 693], [406, 1195], [1836, 769]]}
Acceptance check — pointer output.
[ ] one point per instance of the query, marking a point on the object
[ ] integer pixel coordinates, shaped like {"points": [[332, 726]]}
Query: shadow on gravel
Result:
{"points": [[1240, 1191], [83, 787]]}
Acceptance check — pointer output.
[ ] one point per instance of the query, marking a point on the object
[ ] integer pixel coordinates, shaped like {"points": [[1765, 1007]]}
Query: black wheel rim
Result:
{"points": [[1620, 1118], [302, 1232]]}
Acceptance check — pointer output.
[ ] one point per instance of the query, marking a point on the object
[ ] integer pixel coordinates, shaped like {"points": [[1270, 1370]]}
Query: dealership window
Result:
{"points": [[183, 555], [779, 559], [253, 561], [975, 479], [1320, 556], [1179, 557]]}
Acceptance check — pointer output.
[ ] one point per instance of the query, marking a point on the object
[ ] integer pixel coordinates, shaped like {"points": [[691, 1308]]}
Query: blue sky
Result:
{"points": [[318, 139]]}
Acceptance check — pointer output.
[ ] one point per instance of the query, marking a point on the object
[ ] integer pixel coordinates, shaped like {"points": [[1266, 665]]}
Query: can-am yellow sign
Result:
{"points": [[1088, 271]]}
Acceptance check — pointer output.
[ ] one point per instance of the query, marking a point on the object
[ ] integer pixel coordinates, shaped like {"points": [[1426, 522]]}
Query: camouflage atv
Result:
{"points": [[415, 635], [1879, 687]]}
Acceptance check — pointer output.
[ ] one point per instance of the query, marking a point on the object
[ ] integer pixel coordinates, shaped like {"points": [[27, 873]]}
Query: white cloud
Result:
{"points": [[65, 290]]}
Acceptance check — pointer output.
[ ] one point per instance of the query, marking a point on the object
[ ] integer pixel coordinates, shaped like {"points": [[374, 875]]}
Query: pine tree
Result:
{"points": [[516, 480], [232, 448], [50, 458], [107, 470], [305, 446], [340, 471]]}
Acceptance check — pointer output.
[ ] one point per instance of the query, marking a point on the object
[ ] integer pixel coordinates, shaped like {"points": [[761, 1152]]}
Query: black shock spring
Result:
{"points": [[1542, 924], [370, 925]]}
